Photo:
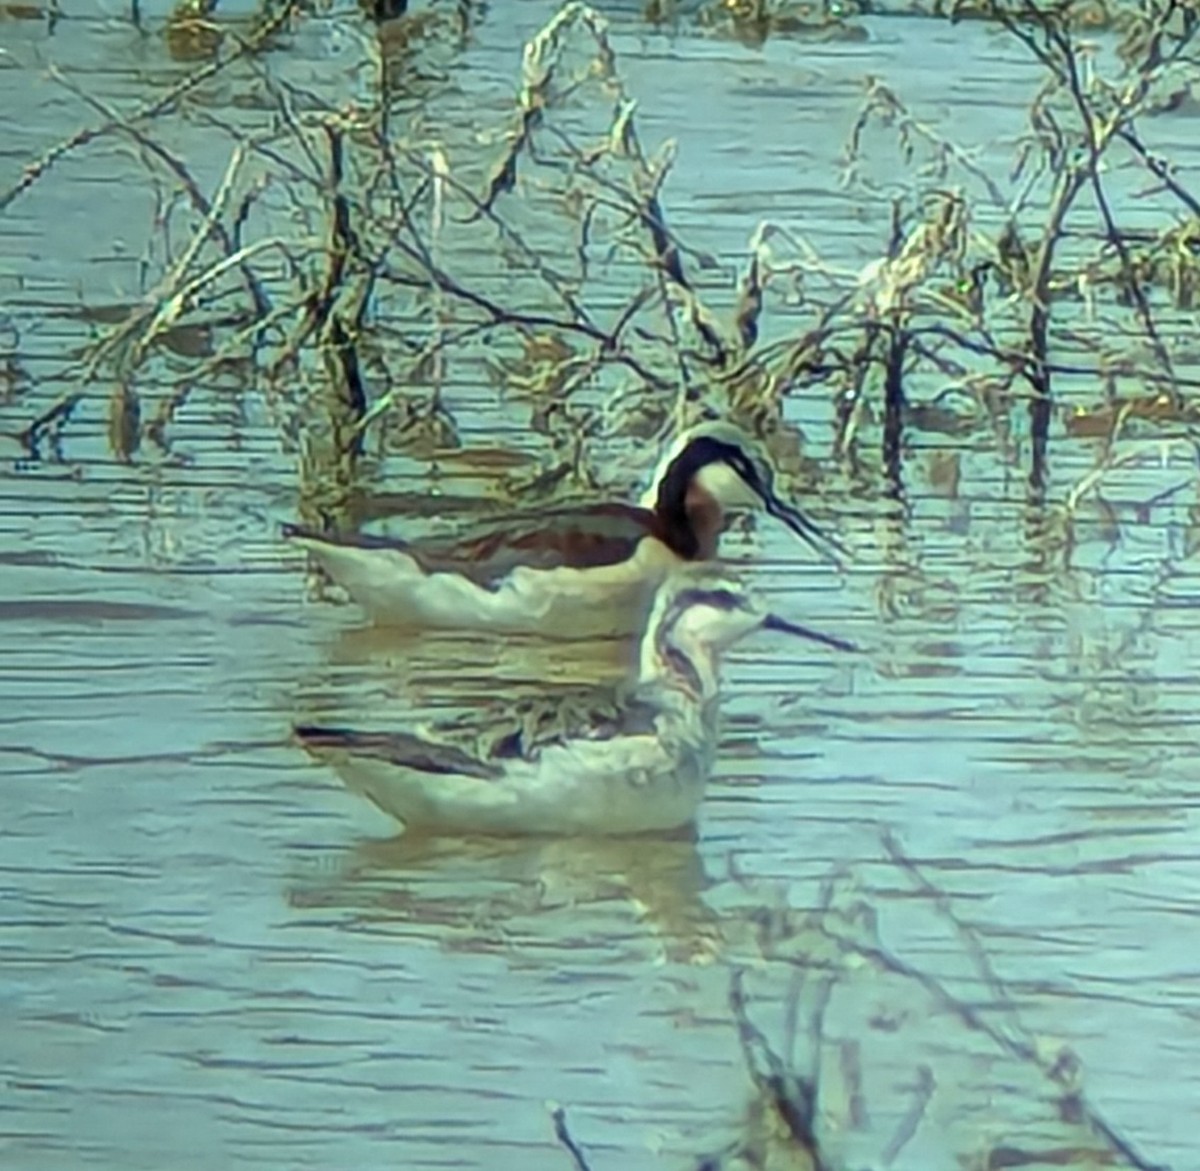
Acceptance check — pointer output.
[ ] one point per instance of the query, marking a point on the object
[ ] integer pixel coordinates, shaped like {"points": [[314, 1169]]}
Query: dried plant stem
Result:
{"points": [[36, 170]]}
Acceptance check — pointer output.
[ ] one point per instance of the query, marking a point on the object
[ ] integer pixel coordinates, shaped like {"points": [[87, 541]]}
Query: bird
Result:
{"points": [[568, 572], [633, 759]]}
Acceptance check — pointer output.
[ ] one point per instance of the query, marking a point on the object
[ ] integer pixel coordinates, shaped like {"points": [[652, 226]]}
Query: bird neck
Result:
{"points": [[680, 666], [690, 519]]}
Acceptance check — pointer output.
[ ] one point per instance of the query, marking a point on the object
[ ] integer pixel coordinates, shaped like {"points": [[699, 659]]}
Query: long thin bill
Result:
{"points": [[774, 622], [829, 547], [761, 482]]}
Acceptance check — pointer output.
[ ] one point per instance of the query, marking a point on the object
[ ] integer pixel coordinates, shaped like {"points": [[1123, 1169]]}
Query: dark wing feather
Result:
{"points": [[579, 537], [398, 748], [590, 713], [354, 540], [528, 727]]}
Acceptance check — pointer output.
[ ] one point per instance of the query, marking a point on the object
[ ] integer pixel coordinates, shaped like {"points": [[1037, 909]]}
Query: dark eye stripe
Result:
{"points": [[718, 599]]}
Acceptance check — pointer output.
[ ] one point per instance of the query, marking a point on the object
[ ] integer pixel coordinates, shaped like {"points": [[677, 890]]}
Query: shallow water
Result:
{"points": [[213, 956]]}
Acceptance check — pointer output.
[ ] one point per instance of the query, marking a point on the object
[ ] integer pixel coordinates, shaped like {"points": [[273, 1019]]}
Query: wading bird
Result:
{"points": [[635, 762], [585, 571]]}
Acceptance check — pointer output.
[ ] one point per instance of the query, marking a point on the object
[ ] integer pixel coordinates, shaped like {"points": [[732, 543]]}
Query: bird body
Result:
{"points": [[628, 784], [636, 761], [565, 575], [582, 571]]}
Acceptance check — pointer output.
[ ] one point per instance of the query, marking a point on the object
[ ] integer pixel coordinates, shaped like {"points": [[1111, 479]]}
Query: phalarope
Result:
{"points": [[638, 766], [570, 572]]}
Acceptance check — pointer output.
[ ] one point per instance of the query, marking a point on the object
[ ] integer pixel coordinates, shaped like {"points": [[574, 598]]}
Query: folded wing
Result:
{"points": [[400, 748], [575, 538]]}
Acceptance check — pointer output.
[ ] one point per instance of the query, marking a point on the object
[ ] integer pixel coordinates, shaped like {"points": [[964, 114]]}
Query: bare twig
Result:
{"points": [[210, 212], [35, 170], [793, 1097], [563, 1134]]}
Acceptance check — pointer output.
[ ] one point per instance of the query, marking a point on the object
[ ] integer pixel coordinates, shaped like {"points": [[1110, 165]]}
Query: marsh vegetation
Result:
{"points": [[350, 234]]}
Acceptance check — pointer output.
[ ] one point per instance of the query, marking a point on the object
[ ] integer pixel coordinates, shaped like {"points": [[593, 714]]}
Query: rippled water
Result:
{"points": [[213, 956]]}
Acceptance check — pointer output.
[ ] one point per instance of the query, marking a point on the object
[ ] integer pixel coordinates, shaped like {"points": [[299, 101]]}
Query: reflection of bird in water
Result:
{"points": [[454, 670], [570, 572], [481, 892], [629, 761]]}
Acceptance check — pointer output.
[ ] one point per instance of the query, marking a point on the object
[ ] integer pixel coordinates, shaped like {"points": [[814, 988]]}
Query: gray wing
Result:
{"points": [[477, 743], [542, 721], [397, 748]]}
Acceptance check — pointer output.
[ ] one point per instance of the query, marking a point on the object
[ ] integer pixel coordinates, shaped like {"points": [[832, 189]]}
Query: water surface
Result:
{"points": [[214, 956]]}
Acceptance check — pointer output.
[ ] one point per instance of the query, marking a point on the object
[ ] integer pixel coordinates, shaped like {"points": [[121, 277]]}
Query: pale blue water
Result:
{"points": [[210, 954]]}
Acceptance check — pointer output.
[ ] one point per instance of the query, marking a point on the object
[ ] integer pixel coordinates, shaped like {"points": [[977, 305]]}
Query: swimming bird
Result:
{"points": [[568, 572], [635, 761]]}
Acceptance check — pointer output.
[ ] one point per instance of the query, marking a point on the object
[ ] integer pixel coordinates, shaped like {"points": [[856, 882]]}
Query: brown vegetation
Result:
{"points": [[327, 267]]}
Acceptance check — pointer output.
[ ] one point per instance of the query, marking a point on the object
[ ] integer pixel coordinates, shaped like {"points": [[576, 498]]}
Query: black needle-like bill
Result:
{"points": [[774, 622]]}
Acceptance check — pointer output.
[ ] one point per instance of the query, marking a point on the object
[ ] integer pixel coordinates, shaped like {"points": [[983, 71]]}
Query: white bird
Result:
{"points": [[573, 571], [633, 761]]}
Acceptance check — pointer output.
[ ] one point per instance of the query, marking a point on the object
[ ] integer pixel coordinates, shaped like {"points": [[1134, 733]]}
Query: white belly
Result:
{"points": [[627, 786], [609, 601]]}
